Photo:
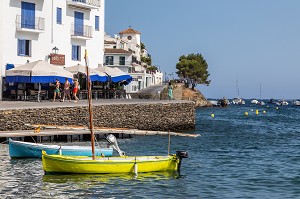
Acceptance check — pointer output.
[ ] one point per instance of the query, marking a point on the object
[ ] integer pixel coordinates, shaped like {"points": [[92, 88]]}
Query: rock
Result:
{"points": [[180, 92]]}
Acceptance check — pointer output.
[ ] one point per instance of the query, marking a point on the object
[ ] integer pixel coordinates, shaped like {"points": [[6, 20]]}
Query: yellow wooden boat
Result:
{"points": [[111, 165], [122, 164]]}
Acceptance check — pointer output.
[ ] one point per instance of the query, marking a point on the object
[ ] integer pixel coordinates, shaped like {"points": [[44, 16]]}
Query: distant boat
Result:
{"points": [[18, 149], [214, 102], [282, 103], [258, 102], [296, 102], [221, 102], [238, 101], [254, 101]]}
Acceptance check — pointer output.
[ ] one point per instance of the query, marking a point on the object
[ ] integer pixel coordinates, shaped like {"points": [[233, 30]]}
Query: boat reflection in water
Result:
{"points": [[106, 178]]}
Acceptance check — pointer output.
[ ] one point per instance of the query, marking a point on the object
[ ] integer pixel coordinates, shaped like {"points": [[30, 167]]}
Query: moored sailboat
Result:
{"points": [[19, 149]]}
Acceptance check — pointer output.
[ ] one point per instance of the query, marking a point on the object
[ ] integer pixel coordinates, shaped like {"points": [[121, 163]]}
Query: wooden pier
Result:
{"points": [[50, 133]]}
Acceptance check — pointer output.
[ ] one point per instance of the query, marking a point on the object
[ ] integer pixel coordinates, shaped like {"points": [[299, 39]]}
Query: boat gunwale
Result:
{"points": [[108, 160], [54, 147]]}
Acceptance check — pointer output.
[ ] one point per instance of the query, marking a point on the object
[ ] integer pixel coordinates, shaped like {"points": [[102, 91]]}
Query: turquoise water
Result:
{"points": [[236, 157]]}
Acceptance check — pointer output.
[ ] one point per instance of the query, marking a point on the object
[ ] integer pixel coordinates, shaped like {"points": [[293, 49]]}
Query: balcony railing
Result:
{"points": [[87, 4], [30, 24], [82, 32], [117, 63]]}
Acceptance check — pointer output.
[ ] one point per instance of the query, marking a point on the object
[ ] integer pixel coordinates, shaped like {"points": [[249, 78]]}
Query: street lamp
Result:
{"points": [[55, 50]]}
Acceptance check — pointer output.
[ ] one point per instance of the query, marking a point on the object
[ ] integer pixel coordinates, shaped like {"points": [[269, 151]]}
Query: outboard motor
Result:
{"points": [[180, 155], [112, 141]]}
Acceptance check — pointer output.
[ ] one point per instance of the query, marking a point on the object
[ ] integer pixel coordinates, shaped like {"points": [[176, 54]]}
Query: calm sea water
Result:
{"points": [[236, 157]]}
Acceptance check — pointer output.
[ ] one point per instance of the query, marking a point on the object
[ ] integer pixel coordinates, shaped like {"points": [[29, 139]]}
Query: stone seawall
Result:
{"points": [[144, 116]]}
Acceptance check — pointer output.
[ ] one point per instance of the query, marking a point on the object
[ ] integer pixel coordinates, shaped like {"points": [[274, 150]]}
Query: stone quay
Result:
{"points": [[160, 115]]}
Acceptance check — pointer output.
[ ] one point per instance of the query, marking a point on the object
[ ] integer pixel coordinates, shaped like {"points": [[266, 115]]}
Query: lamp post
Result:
{"points": [[55, 50]]}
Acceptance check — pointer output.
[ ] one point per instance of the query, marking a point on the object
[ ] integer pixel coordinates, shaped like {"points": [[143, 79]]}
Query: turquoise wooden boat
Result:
{"points": [[18, 149]]}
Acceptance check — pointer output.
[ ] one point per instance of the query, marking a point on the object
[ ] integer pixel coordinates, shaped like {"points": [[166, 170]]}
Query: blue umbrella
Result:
{"points": [[115, 74]]}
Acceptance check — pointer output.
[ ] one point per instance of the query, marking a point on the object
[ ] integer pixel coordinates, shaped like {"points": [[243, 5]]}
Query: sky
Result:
{"points": [[252, 47]]}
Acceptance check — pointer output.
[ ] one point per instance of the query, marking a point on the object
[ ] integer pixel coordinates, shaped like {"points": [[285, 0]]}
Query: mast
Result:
{"points": [[237, 86], [90, 104], [260, 91]]}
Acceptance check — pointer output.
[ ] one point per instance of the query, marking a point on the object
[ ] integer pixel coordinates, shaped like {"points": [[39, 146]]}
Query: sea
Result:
{"points": [[236, 156]]}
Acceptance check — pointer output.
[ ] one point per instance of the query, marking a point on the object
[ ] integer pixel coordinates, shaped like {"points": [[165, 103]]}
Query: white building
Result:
{"points": [[124, 51], [31, 30]]}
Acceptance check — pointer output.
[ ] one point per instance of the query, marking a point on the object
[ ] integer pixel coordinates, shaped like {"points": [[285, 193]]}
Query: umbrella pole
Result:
{"points": [[39, 93]]}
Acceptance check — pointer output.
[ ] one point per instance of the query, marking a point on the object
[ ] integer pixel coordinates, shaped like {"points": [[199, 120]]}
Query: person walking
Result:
{"points": [[75, 89], [170, 91], [56, 90], [66, 90]]}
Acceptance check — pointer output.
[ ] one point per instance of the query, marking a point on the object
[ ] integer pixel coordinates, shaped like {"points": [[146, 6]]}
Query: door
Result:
{"points": [[28, 15], [78, 23]]}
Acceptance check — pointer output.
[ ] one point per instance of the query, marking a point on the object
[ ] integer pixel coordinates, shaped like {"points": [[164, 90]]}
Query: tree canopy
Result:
{"points": [[193, 68]]}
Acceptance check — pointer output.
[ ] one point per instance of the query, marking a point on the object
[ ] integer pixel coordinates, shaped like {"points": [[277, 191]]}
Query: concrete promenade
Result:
{"points": [[16, 105]]}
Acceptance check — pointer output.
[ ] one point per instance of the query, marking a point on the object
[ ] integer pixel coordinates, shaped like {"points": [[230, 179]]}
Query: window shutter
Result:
{"points": [[74, 52], [21, 47], [28, 15], [58, 16], [96, 22]]}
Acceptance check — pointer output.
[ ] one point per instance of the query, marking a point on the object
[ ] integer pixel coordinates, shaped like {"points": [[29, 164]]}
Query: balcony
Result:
{"points": [[85, 4], [118, 63], [30, 24], [82, 32]]}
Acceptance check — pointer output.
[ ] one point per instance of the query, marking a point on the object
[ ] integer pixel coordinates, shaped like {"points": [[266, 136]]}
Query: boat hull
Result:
{"points": [[18, 149], [102, 165]]}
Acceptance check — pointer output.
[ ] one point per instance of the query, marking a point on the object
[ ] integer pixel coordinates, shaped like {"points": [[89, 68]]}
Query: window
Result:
{"points": [[24, 47], [28, 15], [97, 23], [58, 16], [109, 60], [122, 61], [78, 23], [76, 53]]}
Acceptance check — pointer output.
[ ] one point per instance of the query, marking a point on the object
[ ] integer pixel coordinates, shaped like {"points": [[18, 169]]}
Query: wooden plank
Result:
{"points": [[50, 130]]}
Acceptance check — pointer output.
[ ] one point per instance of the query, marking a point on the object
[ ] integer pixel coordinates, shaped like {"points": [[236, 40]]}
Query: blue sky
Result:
{"points": [[254, 41]]}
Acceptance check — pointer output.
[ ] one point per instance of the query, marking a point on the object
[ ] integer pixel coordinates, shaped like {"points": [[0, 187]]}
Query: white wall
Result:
{"points": [[54, 34], [59, 36]]}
